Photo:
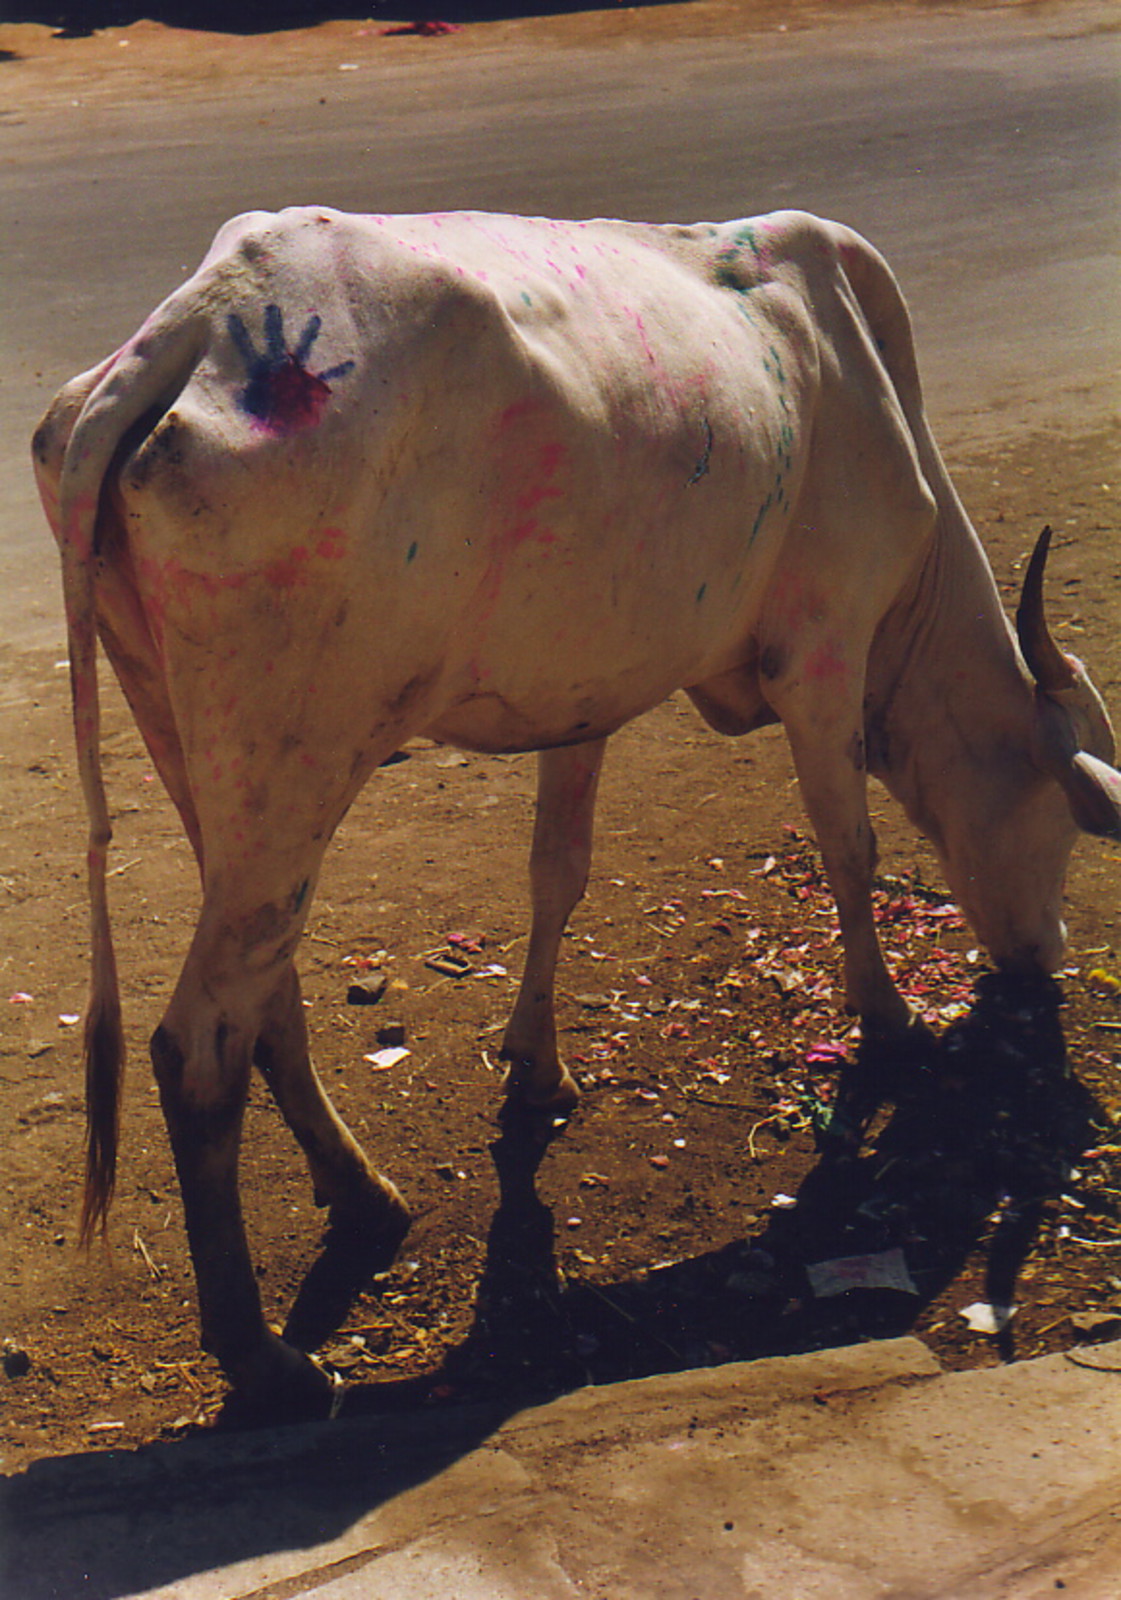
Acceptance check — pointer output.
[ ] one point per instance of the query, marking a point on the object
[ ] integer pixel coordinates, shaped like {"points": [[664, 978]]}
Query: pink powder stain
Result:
{"points": [[826, 663], [331, 544], [78, 532], [167, 579], [794, 603], [519, 412], [850, 256], [550, 458], [524, 527], [477, 672], [644, 337], [521, 533], [765, 250], [531, 473]]}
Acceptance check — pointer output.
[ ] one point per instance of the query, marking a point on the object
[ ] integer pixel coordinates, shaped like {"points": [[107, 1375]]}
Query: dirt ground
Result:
{"points": [[730, 1136]]}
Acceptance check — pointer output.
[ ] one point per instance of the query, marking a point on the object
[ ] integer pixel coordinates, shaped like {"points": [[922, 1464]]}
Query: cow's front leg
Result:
{"points": [[562, 850], [827, 743], [362, 1203], [201, 1056]]}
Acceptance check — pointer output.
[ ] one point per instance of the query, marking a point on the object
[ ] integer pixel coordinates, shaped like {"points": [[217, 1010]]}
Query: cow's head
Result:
{"points": [[1007, 863]]}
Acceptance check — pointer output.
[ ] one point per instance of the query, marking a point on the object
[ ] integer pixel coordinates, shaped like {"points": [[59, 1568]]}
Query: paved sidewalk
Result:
{"points": [[856, 1474]]}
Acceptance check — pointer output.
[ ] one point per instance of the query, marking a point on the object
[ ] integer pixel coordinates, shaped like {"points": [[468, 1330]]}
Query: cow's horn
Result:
{"points": [[1047, 663]]}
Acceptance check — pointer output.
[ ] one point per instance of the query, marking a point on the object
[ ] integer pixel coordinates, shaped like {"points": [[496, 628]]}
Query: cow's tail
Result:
{"points": [[137, 386]]}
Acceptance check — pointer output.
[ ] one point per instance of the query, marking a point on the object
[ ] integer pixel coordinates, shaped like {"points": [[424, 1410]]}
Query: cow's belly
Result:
{"points": [[493, 721], [572, 670]]}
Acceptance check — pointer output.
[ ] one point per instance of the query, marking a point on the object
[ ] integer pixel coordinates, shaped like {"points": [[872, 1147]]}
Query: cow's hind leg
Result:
{"points": [[362, 1203], [562, 849], [202, 1053]]}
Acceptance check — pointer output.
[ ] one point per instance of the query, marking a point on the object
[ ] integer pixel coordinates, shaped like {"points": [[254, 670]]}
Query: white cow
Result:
{"points": [[508, 483]]}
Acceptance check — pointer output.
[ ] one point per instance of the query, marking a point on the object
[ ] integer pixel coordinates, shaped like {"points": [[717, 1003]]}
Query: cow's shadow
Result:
{"points": [[931, 1154], [930, 1159]]}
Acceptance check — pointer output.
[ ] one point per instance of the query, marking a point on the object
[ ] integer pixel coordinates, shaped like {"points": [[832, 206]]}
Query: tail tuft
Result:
{"points": [[104, 1051]]}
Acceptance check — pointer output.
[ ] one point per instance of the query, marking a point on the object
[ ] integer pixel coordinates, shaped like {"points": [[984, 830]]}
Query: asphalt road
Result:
{"points": [[979, 149]]}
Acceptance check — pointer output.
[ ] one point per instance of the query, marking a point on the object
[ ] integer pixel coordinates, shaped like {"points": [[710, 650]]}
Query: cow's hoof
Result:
{"points": [[280, 1384], [371, 1217], [900, 1032], [560, 1095]]}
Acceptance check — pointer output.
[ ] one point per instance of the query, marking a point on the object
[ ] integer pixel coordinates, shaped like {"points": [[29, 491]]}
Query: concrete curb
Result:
{"points": [[865, 1473]]}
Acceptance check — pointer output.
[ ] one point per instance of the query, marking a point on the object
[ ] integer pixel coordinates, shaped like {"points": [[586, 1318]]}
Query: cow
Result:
{"points": [[508, 483]]}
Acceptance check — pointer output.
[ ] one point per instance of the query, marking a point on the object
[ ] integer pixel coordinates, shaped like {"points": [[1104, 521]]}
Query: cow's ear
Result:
{"points": [[1092, 787], [1093, 791]]}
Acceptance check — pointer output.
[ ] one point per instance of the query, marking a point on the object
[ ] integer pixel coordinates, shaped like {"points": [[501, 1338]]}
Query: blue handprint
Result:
{"points": [[281, 393]]}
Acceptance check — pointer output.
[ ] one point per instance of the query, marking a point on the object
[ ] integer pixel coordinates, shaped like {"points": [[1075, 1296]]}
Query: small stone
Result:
{"points": [[1093, 1326], [391, 1033], [367, 991], [16, 1360], [450, 966]]}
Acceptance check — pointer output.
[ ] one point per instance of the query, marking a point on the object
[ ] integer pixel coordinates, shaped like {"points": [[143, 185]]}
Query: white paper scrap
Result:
{"points": [[886, 1269], [984, 1318], [382, 1060]]}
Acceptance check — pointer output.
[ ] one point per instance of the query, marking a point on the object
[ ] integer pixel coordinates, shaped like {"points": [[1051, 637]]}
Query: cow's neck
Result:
{"points": [[947, 687]]}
